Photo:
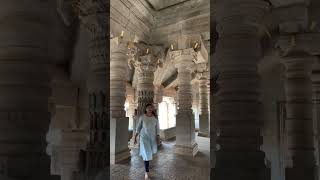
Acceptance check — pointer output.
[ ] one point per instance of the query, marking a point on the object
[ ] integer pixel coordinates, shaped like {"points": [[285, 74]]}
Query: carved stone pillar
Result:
{"points": [[237, 102], [24, 90], [145, 86], [185, 134], [298, 45], [204, 112], [158, 94], [299, 118], [119, 122], [93, 16], [195, 100], [298, 59], [203, 77], [316, 108], [66, 136], [145, 60]]}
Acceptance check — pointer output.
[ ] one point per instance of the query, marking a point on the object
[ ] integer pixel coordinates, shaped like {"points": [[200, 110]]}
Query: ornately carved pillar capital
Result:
{"points": [[145, 58], [183, 59], [93, 14], [119, 45], [147, 63]]}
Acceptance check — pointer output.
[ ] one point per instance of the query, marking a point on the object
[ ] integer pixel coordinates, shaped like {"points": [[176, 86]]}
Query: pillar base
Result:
{"points": [[186, 150], [302, 173], [121, 156], [203, 134]]}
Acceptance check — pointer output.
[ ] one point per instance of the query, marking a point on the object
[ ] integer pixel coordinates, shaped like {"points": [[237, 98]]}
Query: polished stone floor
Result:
{"points": [[166, 165]]}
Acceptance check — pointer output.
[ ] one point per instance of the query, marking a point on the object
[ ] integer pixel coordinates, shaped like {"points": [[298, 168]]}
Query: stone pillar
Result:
{"points": [[119, 123], [66, 136], [185, 134], [298, 53], [145, 60], [316, 108], [145, 86], [299, 122], [204, 112], [298, 46], [158, 91], [298, 88], [24, 90], [93, 16], [195, 101], [203, 77], [238, 50]]}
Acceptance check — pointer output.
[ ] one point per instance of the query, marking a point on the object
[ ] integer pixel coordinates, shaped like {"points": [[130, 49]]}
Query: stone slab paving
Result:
{"points": [[167, 165]]}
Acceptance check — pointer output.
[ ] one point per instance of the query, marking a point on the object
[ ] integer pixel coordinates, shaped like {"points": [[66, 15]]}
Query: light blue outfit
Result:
{"points": [[148, 128]]}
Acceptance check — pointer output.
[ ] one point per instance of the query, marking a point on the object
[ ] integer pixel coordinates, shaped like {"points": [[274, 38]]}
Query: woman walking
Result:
{"points": [[148, 128]]}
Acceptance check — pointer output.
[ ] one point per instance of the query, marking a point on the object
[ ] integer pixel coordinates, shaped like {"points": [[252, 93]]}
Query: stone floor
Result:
{"points": [[166, 165]]}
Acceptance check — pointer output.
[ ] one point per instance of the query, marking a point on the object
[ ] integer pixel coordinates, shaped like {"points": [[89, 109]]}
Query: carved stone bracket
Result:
{"points": [[145, 57], [183, 59]]}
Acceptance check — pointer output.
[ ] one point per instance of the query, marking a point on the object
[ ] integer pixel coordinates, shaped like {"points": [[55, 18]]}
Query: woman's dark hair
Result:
{"points": [[145, 109]]}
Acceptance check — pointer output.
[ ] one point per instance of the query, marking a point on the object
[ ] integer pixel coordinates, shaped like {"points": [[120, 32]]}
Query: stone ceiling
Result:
{"points": [[162, 4]]}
